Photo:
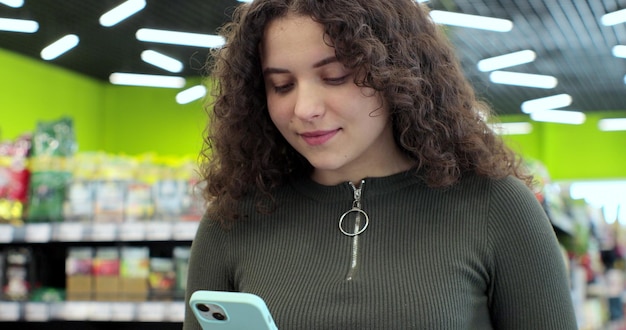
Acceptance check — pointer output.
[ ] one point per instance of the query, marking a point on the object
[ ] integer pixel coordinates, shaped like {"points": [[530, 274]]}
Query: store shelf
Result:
{"points": [[92, 311], [98, 232]]}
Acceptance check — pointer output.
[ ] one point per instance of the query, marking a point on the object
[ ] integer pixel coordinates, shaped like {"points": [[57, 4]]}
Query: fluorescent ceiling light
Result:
{"points": [[523, 79], [162, 61], [546, 103], [612, 124], [619, 51], [60, 47], [121, 12], [512, 128], [133, 79], [507, 60], [180, 38], [18, 25], [471, 21], [614, 18], [559, 116], [13, 3], [191, 94]]}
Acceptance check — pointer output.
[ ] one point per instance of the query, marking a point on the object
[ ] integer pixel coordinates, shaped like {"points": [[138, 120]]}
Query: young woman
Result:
{"points": [[354, 184]]}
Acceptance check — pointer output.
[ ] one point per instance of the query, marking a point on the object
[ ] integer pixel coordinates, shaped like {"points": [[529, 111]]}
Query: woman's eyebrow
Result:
{"points": [[328, 60], [325, 61]]}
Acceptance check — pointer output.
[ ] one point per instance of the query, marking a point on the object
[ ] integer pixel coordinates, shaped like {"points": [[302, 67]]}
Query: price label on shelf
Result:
{"points": [[69, 232], [100, 311], [151, 311], [105, 231], [75, 310], [38, 233], [36, 312], [132, 231], [158, 231], [185, 231], [176, 311], [6, 233], [9, 311], [123, 312]]}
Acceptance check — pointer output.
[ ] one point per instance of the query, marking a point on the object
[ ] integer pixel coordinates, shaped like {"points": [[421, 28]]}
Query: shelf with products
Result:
{"points": [[90, 238], [93, 281], [98, 232], [148, 311]]}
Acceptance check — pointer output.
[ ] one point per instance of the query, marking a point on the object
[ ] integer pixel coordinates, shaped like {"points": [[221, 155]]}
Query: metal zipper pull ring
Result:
{"points": [[356, 227]]}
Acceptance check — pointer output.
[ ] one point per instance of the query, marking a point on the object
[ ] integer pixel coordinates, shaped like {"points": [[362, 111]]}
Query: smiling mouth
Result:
{"points": [[318, 137]]}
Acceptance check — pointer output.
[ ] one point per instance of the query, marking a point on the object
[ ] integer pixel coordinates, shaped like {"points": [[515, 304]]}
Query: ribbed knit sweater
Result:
{"points": [[479, 255]]}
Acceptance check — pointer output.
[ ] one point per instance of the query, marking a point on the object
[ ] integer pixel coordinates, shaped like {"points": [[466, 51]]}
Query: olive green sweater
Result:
{"points": [[480, 255]]}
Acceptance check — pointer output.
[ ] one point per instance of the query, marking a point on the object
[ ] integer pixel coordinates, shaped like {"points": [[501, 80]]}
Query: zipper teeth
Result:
{"points": [[354, 255]]}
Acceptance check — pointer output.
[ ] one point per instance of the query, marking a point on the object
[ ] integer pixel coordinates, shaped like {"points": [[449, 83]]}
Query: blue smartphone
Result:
{"points": [[230, 310]]}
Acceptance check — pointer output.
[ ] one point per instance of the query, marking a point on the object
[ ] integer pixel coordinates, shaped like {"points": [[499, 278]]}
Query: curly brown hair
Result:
{"points": [[396, 49]]}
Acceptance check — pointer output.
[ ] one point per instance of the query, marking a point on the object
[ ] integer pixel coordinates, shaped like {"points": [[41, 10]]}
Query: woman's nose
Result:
{"points": [[309, 102]]}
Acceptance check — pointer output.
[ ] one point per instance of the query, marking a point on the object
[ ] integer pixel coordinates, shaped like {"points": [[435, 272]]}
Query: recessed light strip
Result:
{"points": [[13, 3], [506, 60], [619, 51], [559, 116], [546, 103], [471, 21], [519, 128], [18, 25], [180, 38], [60, 47], [162, 61], [191, 94], [122, 12], [134, 79], [614, 18], [523, 79], [612, 124]]}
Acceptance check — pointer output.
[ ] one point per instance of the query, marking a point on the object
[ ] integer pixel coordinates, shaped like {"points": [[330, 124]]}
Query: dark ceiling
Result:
{"points": [[566, 35]]}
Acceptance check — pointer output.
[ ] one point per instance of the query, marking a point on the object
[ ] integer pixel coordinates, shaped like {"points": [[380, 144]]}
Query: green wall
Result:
{"points": [[574, 151], [116, 119], [135, 120], [141, 119], [31, 91]]}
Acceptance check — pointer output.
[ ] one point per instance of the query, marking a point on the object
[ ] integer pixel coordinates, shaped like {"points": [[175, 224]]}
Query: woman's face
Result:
{"points": [[342, 129]]}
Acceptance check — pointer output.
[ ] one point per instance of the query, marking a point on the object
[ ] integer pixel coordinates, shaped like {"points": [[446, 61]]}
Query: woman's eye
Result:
{"points": [[336, 81], [282, 88]]}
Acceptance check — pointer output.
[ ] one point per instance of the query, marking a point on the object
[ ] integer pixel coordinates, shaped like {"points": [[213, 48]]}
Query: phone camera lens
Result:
{"points": [[219, 316], [202, 307]]}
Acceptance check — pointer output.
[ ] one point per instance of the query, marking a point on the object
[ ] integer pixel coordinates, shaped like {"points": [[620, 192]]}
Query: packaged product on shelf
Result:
{"points": [[53, 143], [139, 196], [48, 295], [138, 204], [169, 195], [55, 138], [114, 175], [78, 271], [106, 270], [134, 271], [181, 265], [194, 204], [2, 268], [109, 201], [46, 196], [18, 274], [162, 278], [79, 203], [14, 179]]}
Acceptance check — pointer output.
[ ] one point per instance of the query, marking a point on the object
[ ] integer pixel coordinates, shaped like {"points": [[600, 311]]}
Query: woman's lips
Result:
{"points": [[318, 137]]}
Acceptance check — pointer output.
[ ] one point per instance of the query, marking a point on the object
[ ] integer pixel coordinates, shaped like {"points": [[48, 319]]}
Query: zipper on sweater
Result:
{"points": [[361, 222]]}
